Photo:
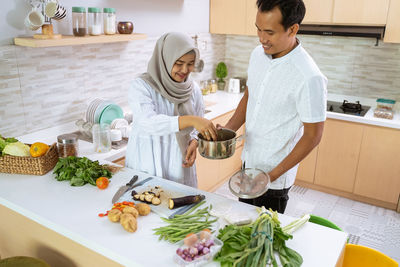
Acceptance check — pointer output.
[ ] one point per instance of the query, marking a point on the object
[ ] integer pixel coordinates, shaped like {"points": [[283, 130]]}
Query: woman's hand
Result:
{"points": [[190, 154], [203, 126]]}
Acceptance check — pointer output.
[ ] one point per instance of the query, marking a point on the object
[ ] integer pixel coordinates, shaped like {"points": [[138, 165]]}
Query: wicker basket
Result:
{"points": [[29, 165]]}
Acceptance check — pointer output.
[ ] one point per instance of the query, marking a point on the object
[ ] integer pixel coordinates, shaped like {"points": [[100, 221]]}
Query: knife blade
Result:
{"points": [[124, 188], [182, 210], [141, 182]]}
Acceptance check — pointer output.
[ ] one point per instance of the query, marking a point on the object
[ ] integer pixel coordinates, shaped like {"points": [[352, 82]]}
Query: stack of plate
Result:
{"points": [[103, 111]]}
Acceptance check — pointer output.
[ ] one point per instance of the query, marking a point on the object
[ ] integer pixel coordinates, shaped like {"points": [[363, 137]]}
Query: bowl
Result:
{"points": [[197, 249], [125, 27], [249, 183]]}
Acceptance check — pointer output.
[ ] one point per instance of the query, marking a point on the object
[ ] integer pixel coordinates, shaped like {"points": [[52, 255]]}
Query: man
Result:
{"points": [[284, 105]]}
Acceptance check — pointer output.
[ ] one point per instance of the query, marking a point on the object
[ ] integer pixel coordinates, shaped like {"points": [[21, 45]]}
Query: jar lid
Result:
{"points": [[78, 9], [94, 10], [109, 10], [67, 138], [387, 101]]}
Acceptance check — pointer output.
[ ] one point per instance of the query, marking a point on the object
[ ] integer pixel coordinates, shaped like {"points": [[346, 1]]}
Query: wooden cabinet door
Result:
{"points": [[228, 16], [338, 155], [251, 13], [306, 170], [378, 174], [318, 11], [392, 31], [363, 12]]}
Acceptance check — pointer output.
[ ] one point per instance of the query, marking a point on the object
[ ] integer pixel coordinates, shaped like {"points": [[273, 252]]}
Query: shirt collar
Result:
{"points": [[288, 55]]}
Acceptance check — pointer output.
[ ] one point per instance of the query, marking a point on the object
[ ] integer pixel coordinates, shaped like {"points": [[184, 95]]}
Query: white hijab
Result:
{"points": [[169, 48]]}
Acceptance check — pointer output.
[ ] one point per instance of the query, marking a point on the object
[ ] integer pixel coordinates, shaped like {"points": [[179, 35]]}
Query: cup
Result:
{"points": [[101, 137], [55, 11], [34, 20]]}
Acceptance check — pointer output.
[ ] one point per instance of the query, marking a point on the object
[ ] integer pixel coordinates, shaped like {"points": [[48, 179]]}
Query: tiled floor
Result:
{"points": [[367, 225]]}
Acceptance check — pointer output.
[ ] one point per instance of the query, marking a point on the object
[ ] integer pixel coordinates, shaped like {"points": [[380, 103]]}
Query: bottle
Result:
{"points": [[67, 145], [213, 86], [204, 88], [109, 20], [79, 21], [94, 20]]}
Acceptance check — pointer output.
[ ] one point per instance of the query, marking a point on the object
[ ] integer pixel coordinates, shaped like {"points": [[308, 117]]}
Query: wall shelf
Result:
{"points": [[67, 40]]}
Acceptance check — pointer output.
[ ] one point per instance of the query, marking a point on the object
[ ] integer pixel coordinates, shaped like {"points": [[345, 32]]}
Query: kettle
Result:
{"points": [[234, 86]]}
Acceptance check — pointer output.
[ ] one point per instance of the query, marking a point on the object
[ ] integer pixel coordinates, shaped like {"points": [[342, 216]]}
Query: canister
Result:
{"points": [[67, 145]]}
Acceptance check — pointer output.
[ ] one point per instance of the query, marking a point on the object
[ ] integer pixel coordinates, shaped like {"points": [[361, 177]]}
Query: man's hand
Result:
{"points": [[190, 154]]}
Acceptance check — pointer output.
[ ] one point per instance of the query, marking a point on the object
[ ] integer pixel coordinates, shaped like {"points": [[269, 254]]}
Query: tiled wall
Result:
{"points": [[43, 87], [353, 65]]}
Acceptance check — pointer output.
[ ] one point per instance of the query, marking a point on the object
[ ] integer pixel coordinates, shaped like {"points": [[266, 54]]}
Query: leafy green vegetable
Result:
{"points": [[16, 149], [6, 141], [79, 171]]}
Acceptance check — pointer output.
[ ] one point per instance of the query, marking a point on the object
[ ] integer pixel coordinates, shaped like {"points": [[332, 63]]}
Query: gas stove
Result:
{"points": [[347, 107]]}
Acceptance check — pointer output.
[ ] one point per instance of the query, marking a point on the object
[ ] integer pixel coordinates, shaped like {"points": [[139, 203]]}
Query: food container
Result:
{"points": [[79, 21], [383, 103], [249, 183], [223, 148], [67, 145], [94, 18], [197, 249], [109, 20], [383, 113], [205, 90]]}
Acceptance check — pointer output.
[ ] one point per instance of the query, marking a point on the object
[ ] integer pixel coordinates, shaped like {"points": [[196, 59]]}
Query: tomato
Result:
{"points": [[102, 182]]}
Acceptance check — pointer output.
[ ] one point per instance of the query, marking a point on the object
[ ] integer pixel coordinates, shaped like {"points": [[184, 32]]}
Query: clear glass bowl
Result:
{"points": [[192, 242], [249, 183]]}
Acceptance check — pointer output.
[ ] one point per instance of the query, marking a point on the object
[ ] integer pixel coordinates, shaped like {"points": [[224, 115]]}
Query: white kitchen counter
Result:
{"points": [[73, 213]]}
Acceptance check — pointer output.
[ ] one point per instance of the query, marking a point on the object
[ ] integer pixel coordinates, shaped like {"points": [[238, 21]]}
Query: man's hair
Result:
{"points": [[293, 11]]}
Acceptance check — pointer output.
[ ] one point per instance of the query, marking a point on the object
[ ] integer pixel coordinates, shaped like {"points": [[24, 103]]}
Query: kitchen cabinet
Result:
{"points": [[67, 40], [318, 11], [378, 169], [233, 17], [338, 155], [212, 173], [360, 12], [306, 170], [392, 31]]}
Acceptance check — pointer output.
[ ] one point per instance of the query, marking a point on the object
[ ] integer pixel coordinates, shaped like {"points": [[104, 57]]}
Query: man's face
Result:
{"points": [[272, 35], [183, 67]]}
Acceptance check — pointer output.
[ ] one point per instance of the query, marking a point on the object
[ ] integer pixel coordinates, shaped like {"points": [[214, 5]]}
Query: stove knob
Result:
{"points": [[331, 108]]}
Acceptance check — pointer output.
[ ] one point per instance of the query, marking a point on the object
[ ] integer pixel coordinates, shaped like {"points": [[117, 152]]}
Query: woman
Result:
{"points": [[167, 111]]}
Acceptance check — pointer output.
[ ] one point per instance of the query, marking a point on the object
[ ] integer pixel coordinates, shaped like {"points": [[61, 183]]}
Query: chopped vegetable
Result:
{"points": [[182, 201], [79, 171]]}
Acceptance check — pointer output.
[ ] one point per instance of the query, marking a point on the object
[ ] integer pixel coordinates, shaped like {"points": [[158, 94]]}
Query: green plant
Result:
{"points": [[221, 71]]}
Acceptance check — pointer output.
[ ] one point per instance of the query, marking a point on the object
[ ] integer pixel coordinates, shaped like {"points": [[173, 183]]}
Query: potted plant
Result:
{"points": [[221, 72]]}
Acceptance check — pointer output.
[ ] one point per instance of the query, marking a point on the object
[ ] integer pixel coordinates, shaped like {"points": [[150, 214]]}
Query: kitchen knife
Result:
{"points": [[141, 183], [124, 188], [182, 210]]}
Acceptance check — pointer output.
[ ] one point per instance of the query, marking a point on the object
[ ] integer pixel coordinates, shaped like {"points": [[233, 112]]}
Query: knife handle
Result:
{"points": [[132, 181]]}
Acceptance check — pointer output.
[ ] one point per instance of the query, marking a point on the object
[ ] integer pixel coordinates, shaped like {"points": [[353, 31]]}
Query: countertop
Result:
{"points": [[78, 220]]}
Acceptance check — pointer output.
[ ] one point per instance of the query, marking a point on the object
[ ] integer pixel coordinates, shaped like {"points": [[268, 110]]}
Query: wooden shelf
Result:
{"points": [[73, 40]]}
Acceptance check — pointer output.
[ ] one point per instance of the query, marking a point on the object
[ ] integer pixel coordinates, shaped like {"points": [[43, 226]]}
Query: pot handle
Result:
{"points": [[239, 138]]}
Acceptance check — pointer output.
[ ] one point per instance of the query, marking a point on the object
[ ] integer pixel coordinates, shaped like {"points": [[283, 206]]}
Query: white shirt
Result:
{"points": [[152, 146], [283, 93]]}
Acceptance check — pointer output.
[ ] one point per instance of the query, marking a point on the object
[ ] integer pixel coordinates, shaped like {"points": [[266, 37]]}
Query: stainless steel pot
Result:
{"points": [[223, 148]]}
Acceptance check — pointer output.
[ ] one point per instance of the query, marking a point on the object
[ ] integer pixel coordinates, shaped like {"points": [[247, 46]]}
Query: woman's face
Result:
{"points": [[183, 67]]}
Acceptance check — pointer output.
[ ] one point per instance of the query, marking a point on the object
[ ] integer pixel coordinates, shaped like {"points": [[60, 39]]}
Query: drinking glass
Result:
{"points": [[101, 138]]}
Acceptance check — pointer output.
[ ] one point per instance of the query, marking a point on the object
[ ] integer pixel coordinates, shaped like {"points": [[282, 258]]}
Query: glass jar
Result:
{"points": [[94, 21], [205, 90], [67, 145], [79, 21], [101, 137], [213, 86], [109, 21]]}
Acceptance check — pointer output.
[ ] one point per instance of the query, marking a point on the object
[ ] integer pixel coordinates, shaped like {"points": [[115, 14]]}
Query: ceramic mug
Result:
{"points": [[34, 20], [55, 11]]}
